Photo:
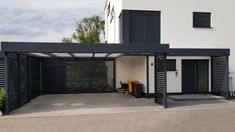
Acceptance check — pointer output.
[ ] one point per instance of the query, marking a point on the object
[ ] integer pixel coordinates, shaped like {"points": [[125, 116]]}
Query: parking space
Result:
{"points": [[80, 103]]}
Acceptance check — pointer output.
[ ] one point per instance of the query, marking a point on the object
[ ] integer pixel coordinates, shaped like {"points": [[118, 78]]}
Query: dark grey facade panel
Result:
{"points": [[145, 26], [198, 52], [140, 27], [124, 26]]}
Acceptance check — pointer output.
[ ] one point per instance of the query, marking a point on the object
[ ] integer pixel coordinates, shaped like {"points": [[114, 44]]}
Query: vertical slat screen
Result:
{"points": [[220, 82], [160, 80], [23, 79], [13, 90], [2, 73], [34, 77]]}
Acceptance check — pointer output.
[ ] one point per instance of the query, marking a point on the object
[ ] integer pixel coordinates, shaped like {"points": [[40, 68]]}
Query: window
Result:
{"points": [[112, 15], [108, 10], [145, 27], [201, 20], [171, 65]]}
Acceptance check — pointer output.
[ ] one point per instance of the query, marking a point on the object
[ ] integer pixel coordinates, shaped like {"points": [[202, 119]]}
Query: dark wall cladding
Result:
{"points": [[220, 82], [64, 76], [34, 77], [53, 76], [140, 26]]}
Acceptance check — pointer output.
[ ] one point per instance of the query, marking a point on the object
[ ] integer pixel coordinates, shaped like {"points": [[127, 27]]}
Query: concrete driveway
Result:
{"points": [[118, 113], [70, 104], [218, 118], [78, 104]]}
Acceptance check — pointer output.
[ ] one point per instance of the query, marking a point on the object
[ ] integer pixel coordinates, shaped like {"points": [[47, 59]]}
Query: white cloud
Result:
{"points": [[54, 4], [43, 20]]}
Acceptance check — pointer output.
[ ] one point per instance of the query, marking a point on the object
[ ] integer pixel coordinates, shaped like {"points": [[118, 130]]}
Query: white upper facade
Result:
{"points": [[177, 22]]}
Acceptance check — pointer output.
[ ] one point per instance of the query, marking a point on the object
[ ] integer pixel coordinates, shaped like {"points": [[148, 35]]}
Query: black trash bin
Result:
{"points": [[138, 90]]}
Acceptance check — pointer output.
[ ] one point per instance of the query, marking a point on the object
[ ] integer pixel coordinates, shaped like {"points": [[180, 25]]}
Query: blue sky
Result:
{"points": [[44, 20]]}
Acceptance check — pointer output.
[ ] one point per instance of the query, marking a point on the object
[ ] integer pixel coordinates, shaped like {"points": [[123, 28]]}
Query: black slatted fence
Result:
{"points": [[2, 73], [34, 78], [220, 80], [160, 80], [12, 82], [23, 80]]}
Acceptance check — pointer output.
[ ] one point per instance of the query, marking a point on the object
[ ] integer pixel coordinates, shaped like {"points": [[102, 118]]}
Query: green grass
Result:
{"points": [[2, 98]]}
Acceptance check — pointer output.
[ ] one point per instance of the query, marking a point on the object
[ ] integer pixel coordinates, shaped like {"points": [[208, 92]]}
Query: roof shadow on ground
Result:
{"points": [[183, 103]]}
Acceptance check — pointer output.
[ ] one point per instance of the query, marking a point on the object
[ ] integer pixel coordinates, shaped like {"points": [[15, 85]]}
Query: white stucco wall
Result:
{"points": [[174, 82], [112, 27], [177, 23], [151, 74], [131, 67]]}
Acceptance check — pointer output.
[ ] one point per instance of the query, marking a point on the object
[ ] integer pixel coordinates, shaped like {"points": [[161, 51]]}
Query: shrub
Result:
{"points": [[2, 99]]}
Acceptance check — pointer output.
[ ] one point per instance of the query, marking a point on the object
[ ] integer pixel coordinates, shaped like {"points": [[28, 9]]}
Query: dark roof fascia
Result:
{"points": [[198, 52], [33, 47]]}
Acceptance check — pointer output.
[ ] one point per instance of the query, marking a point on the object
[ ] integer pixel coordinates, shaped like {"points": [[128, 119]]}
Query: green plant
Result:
{"points": [[2, 98], [88, 30]]}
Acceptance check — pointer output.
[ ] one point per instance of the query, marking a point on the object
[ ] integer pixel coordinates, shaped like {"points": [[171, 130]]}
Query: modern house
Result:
{"points": [[190, 27], [170, 49]]}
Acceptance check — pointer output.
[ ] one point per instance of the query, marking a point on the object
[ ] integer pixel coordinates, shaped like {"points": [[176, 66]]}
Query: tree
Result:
{"points": [[88, 30], [67, 40]]}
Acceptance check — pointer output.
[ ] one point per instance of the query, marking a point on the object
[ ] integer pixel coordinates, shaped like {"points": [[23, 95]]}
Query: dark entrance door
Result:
{"points": [[195, 76]]}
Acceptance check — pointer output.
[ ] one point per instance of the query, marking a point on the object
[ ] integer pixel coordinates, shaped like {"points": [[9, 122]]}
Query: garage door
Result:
{"points": [[61, 77]]}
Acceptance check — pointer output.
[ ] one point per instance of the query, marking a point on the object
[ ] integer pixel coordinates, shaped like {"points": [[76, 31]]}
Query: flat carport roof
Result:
{"points": [[75, 50], [102, 50]]}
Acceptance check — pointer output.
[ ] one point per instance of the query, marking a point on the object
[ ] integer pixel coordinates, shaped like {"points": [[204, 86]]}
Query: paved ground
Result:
{"points": [[188, 116], [193, 97], [67, 104]]}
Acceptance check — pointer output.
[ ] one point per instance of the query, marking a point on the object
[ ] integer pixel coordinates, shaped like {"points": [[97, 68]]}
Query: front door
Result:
{"points": [[195, 76]]}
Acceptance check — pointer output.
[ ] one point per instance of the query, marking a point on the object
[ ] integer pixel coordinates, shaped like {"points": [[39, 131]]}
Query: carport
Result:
{"points": [[24, 65], [26, 73], [219, 67]]}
